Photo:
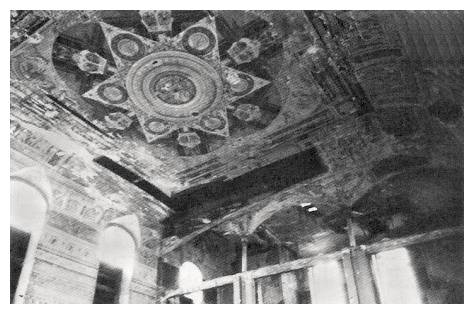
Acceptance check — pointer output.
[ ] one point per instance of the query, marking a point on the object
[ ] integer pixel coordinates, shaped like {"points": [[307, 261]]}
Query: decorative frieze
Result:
{"points": [[73, 226], [68, 246]]}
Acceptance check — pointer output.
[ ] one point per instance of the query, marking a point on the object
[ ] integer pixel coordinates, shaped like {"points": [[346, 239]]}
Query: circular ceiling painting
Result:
{"points": [[175, 86]]}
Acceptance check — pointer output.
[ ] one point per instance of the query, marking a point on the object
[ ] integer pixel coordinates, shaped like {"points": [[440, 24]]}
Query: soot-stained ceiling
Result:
{"points": [[249, 113]]}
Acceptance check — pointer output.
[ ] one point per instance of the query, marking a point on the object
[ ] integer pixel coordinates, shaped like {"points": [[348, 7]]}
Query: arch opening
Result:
{"points": [[30, 196], [190, 276], [117, 258]]}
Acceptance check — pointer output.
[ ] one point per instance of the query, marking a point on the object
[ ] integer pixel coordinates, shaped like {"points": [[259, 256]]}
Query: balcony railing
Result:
{"points": [[345, 276]]}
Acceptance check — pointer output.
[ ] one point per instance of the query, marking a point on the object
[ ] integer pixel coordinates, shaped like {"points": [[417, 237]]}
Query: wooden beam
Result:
{"points": [[350, 232], [272, 236], [248, 284], [349, 278], [363, 276], [244, 254], [236, 285], [294, 265], [162, 250], [412, 239], [249, 276], [208, 284], [259, 292], [355, 261]]}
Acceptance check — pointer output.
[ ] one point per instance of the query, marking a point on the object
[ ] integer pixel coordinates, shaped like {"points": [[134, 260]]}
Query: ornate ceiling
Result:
{"points": [[184, 98], [223, 88], [172, 84]]}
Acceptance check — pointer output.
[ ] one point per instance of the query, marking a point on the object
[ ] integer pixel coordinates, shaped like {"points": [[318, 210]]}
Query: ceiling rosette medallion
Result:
{"points": [[173, 84]]}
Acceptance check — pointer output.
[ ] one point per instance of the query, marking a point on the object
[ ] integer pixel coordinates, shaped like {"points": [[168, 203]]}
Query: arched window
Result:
{"points": [[30, 196], [189, 277], [117, 247]]}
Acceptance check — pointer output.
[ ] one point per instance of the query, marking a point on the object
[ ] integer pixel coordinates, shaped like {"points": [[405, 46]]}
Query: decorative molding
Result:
{"points": [[73, 227], [70, 247]]}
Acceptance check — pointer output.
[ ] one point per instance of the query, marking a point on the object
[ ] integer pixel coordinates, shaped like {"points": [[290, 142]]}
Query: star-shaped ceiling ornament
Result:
{"points": [[173, 84]]}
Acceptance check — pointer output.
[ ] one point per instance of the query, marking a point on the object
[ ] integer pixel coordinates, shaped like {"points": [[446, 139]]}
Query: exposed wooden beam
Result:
{"points": [[248, 287], [244, 254], [417, 238], [258, 273], [272, 236], [349, 277], [350, 232], [294, 265], [236, 287], [246, 279], [208, 284], [162, 250], [363, 276]]}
